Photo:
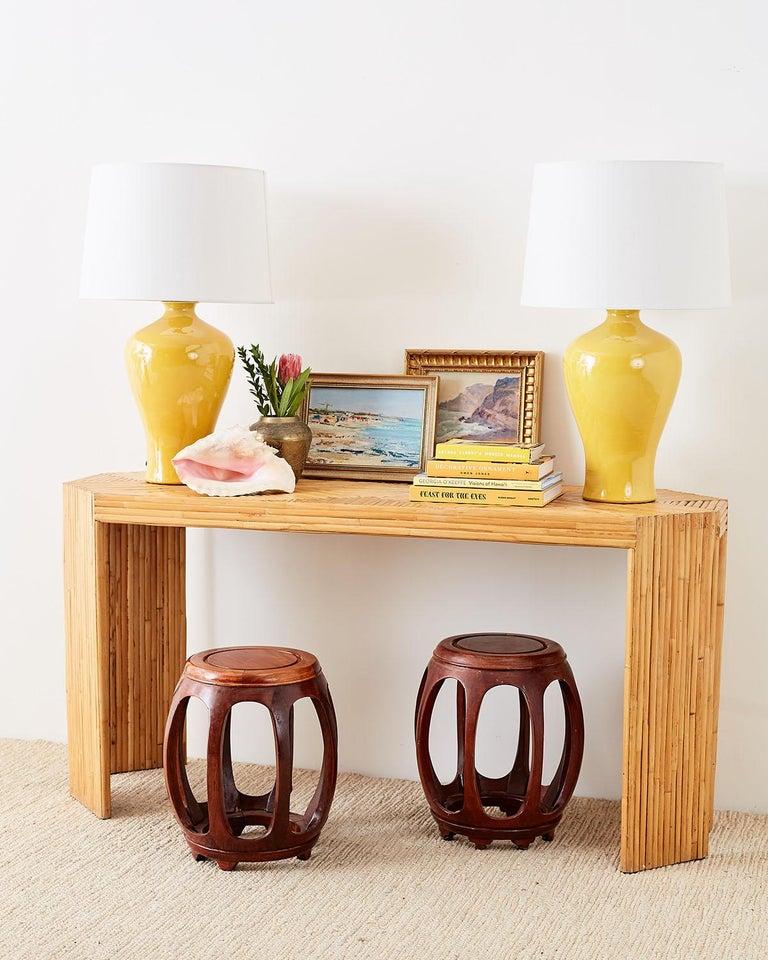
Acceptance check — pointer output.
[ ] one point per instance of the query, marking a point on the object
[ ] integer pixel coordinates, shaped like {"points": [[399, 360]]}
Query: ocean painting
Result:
{"points": [[364, 426], [478, 406]]}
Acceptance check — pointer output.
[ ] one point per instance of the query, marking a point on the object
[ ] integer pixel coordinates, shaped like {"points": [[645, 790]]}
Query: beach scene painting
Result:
{"points": [[479, 405], [379, 429]]}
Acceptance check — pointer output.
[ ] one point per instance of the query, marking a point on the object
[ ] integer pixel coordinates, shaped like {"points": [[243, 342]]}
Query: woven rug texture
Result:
{"points": [[381, 883]]}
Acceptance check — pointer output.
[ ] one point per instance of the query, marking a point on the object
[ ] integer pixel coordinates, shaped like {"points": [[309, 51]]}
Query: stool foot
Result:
{"points": [[199, 858], [226, 864], [482, 844], [522, 844], [549, 837], [304, 856], [447, 835]]}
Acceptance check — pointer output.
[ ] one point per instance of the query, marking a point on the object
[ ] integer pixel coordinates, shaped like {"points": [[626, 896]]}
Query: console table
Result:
{"points": [[124, 571]]}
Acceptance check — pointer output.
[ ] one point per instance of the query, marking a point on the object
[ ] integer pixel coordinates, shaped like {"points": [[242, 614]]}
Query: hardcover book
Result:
{"points": [[494, 498], [492, 471], [494, 452], [480, 483]]}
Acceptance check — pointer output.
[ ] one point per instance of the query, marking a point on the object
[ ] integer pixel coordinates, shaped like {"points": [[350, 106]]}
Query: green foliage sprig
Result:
{"points": [[276, 394]]}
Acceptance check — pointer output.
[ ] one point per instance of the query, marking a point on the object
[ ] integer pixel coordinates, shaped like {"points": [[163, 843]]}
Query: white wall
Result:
{"points": [[398, 138]]}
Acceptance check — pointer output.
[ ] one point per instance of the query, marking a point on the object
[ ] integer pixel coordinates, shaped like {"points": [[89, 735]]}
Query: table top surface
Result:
{"points": [[352, 506]]}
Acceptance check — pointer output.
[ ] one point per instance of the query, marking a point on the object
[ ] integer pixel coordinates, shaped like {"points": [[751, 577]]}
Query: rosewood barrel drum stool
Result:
{"points": [[276, 677], [479, 662]]}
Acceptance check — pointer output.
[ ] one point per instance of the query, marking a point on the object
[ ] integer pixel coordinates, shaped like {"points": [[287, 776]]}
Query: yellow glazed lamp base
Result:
{"points": [[179, 368], [621, 379]]}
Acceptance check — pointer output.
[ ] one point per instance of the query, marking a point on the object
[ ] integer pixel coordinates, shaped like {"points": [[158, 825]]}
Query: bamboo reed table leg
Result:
{"points": [[125, 642], [675, 594]]}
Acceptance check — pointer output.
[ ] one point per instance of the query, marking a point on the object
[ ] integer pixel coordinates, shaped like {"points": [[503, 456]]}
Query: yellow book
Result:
{"points": [[470, 470], [494, 498], [477, 483], [488, 452]]}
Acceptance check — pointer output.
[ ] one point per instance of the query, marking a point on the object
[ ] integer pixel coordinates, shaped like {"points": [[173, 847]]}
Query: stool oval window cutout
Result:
{"points": [[443, 741], [502, 756], [251, 758], [307, 755], [554, 731], [184, 753], [562, 750]]}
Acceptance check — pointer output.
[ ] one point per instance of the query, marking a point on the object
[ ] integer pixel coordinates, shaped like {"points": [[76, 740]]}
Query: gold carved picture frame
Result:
{"points": [[359, 419], [526, 368]]}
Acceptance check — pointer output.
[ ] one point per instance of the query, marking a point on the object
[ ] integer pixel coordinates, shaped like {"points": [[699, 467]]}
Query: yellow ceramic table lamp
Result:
{"points": [[625, 236], [178, 233]]}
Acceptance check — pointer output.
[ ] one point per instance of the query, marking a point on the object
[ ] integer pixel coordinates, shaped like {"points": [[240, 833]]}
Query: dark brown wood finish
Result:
{"points": [[276, 677], [530, 809]]}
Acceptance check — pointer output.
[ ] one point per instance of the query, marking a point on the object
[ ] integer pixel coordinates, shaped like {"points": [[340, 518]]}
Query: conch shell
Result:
{"points": [[232, 462]]}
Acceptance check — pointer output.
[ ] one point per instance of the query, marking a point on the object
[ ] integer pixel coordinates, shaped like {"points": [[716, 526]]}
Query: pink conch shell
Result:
{"points": [[233, 462]]}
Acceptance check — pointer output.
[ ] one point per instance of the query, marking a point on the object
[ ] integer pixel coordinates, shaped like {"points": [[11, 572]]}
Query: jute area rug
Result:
{"points": [[380, 884]]}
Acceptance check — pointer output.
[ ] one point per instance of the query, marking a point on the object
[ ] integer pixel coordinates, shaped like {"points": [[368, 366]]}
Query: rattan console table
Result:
{"points": [[124, 566]]}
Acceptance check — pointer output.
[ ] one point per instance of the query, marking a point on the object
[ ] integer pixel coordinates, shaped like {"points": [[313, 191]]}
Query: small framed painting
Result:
{"points": [[484, 395], [368, 427]]}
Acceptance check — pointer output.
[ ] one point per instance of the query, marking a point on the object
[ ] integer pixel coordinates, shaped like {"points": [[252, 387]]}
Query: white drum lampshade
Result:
{"points": [[625, 236], [180, 233], [176, 231]]}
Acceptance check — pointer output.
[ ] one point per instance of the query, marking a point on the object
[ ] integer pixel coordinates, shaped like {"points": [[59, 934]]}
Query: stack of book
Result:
{"points": [[499, 474]]}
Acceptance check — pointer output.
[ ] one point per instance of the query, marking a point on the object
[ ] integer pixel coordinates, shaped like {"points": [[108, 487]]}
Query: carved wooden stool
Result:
{"points": [[478, 662], [276, 677]]}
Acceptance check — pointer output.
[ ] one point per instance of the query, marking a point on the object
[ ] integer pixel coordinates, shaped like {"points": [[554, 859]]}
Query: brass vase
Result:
{"points": [[290, 436]]}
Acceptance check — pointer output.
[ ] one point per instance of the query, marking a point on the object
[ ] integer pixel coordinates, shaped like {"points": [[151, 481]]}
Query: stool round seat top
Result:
{"points": [[499, 651], [252, 666]]}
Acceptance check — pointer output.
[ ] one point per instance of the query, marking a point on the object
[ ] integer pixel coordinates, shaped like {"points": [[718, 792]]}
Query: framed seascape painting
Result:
{"points": [[367, 427], [483, 395]]}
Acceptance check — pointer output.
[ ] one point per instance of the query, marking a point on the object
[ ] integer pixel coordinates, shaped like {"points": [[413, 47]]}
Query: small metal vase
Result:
{"points": [[290, 436]]}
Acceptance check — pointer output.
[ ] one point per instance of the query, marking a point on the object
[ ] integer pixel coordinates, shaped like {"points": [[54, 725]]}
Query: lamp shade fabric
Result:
{"points": [[175, 231], [627, 235]]}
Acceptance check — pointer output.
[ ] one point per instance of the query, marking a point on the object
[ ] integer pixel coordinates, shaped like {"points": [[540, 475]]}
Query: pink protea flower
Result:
{"points": [[289, 367]]}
